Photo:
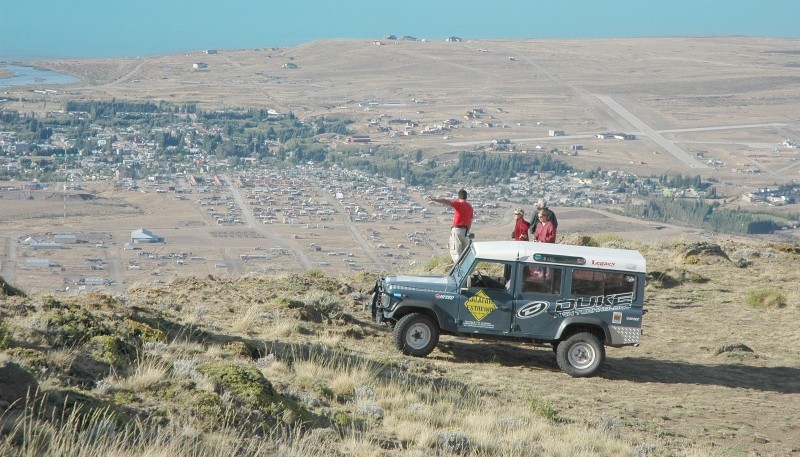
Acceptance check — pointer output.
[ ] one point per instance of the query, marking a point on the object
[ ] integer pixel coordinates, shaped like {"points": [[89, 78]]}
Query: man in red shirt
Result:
{"points": [[462, 221], [521, 226]]}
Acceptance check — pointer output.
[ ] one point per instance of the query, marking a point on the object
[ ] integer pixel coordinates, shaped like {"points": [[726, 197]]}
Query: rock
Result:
{"points": [[704, 253], [741, 262], [733, 347], [15, 383]]}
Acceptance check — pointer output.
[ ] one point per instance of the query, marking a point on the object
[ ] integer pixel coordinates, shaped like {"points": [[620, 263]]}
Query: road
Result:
{"points": [[7, 266], [115, 265], [649, 132]]}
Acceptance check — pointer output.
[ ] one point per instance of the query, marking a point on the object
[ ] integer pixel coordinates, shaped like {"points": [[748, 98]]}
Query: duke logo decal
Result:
{"points": [[531, 309]]}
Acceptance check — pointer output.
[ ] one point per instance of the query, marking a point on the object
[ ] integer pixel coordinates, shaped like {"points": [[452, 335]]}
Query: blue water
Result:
{"points": [[21, 75], [50, 29]]}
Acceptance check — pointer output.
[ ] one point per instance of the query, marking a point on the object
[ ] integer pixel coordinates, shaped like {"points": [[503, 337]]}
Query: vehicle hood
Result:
{"points": [[430, 283]]}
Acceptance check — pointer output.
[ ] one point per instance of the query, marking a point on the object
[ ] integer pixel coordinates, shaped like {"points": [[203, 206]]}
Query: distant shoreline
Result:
{"points": [[31, 61]]}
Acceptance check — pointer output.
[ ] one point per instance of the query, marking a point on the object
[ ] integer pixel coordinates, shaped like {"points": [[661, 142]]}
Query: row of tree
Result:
{"points": [[702, 214]]}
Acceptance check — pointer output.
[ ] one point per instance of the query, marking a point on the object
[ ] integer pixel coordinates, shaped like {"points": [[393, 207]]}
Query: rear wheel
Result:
{"points": [[416, 335], [581, 355]]}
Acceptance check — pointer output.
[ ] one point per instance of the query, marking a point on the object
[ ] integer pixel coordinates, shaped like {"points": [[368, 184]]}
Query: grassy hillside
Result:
{"points": [[293, 366]]}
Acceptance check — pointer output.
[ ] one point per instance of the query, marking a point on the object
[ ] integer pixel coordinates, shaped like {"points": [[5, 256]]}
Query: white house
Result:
{"points": [[142, 235]]}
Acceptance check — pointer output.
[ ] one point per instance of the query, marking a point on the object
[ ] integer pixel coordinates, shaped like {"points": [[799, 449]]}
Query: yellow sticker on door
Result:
{"points": [[480, 305]]}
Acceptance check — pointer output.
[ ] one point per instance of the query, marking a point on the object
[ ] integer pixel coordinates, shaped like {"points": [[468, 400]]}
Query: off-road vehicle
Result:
{"points": [[576, 299]]}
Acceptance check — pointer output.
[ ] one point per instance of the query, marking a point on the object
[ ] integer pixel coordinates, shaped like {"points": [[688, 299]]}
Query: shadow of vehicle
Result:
{"points": [[773, 379], [635, 369]]}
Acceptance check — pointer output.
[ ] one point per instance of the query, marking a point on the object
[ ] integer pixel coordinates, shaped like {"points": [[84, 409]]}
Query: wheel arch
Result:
{"points": [[406, 310], [577, 324]]}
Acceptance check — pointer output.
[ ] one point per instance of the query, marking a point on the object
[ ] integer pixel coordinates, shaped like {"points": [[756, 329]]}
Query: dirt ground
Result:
{"points": [[682, 388], [102, 218]]}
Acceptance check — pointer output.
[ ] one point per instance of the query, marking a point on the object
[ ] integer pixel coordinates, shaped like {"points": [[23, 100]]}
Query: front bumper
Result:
{"points": [[377, 298]]}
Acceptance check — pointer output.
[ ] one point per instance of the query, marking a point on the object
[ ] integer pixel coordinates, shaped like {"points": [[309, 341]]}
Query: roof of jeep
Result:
{"points": [[602, 258]]}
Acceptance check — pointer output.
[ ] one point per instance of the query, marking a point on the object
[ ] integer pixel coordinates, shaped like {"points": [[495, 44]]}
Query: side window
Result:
{"points": [[490, 275], [544, 280], [589, 282]]}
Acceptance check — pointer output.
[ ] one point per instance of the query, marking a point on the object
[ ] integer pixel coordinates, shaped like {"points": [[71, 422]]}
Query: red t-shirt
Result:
{"points": [[545, 232], [463, 214]]}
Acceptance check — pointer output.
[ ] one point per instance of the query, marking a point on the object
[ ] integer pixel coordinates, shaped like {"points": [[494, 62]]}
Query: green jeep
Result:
{"points": [[576, 299]]}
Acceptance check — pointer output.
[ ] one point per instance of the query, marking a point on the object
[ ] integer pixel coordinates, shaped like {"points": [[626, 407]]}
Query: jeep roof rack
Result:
{"points": [[562, 254]]}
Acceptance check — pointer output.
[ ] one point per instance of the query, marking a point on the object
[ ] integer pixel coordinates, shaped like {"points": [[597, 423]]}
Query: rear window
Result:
{"points": [[543, 280], [594, 283]]}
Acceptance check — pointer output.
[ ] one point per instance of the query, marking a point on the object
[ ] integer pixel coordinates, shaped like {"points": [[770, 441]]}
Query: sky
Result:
{"points": [[32, 29]]}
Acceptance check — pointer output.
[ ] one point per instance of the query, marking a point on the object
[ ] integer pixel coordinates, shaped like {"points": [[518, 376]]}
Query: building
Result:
{"points": [[142, 235], [37, 263], [556, 133], [69, 238]]}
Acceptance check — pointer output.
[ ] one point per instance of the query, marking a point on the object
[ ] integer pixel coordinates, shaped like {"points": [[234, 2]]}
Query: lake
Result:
{"points": [[21, 75]]}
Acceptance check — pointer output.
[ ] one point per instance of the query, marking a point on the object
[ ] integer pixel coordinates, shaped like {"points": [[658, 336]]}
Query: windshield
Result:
{"points": [[461, 268]]}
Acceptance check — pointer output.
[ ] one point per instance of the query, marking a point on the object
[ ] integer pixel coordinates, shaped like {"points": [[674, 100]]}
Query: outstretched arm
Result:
{"points": [[443, 201]]}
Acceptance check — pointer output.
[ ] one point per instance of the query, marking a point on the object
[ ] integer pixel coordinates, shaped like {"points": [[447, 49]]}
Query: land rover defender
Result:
{"points": [[576, 299]]}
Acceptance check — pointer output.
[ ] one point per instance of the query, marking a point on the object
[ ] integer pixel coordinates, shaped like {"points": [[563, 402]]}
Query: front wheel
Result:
{"points": [[416, 335], [581, 355]]}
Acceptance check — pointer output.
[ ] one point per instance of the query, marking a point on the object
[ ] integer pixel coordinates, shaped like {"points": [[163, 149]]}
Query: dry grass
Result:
{"points": [[706, 356], [146, 374], [766, 298]]}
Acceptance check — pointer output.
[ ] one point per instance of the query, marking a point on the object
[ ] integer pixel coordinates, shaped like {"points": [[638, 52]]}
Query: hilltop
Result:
{"points": [[292, 365]]}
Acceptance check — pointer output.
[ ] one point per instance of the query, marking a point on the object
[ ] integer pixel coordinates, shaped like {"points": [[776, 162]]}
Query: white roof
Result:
{"points": [[142, 233], [602, 258]]}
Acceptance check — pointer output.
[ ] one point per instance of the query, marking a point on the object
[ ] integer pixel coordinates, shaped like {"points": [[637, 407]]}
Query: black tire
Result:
{"points": [[581, 355], [416, 335]]}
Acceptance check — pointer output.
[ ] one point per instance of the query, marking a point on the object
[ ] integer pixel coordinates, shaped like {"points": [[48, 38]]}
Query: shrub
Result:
{"points": [[438, 263], [766, 298], [541, 408], [4, 335], [249, 385]]}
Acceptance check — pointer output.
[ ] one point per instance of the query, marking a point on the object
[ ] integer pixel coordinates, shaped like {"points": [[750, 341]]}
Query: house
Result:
{"points": [[37, 263], [65, 238], [199, 65], [556, 133], [142, 235], [44, 245]]}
